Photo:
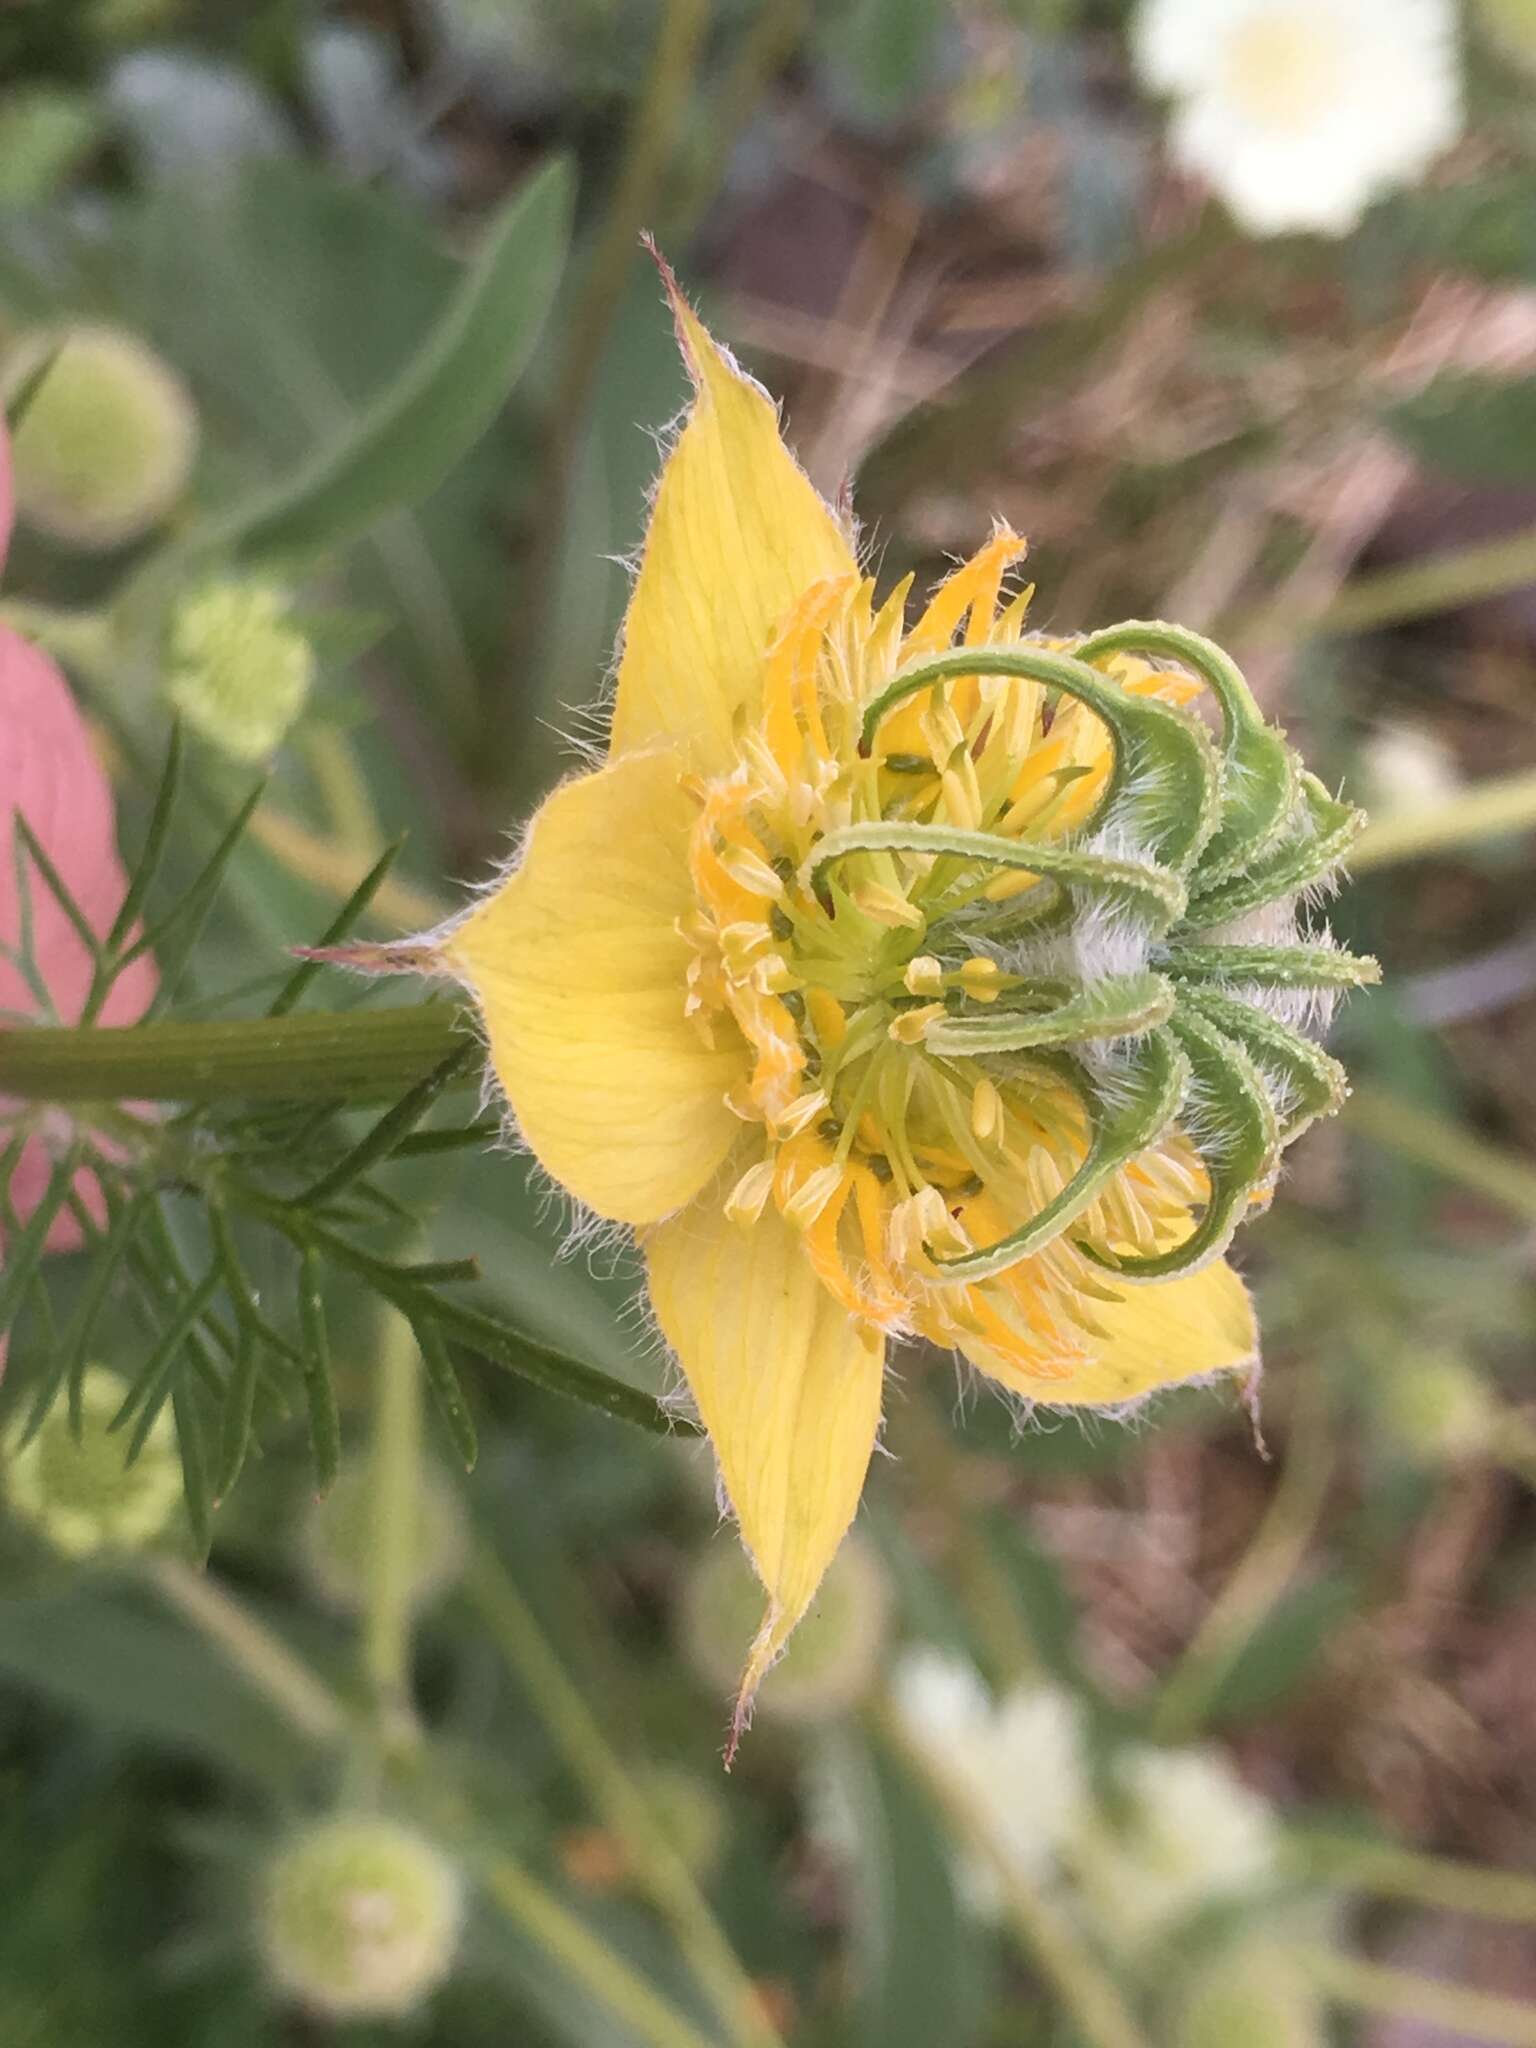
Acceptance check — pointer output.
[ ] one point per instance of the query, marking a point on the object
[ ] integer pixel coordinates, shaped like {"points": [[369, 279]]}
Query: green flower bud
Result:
{"points": [[238, 671], [1436, 1407], [1256, 1995], [82, 1496], [107, 441], [339, 1532], [360, 1917], [836, 1650]]}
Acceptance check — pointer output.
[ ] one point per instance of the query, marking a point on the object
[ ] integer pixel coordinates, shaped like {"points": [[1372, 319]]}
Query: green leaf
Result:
{"points": [[915, 1959], [1478, 429], [132, 1673], [403, 444]]}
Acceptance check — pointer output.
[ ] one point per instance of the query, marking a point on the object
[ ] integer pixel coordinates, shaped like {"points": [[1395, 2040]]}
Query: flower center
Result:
{"points": [[836, 956], [1283, 64]]}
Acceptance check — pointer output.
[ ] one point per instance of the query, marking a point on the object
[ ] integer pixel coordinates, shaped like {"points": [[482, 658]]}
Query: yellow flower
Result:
{"points": [[849, 981]]}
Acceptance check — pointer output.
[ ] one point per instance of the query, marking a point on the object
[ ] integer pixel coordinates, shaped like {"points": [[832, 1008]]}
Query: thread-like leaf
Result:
{"points": [[338, 929], [319, 1386], [447, 1392]]}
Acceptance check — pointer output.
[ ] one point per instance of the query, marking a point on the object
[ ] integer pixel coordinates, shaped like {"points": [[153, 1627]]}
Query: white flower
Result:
{"points": [[1193, 1835], [1300, 112], [1020, 1762]]}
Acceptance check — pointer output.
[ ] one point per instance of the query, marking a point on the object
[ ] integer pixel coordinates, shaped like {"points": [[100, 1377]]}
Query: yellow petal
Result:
{"points": [[1154, 1336], [788, 1386], [581, 978], [737, 534]]}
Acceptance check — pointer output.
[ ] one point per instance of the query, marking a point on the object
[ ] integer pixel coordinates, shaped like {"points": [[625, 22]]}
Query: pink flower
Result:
{"points": [[50, 773]]}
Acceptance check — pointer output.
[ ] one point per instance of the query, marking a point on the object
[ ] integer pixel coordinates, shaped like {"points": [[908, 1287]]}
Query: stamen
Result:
{"points": [[910, 1026], [748, 1199]]}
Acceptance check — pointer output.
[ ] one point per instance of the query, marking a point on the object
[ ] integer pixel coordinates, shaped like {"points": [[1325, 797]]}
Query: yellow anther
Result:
{"points": [[812, 1196], [828, 1019], [981, 978], [748, 1199], [924, 976], [751, 871], [772, 975], [943, 732], [745, 941], [800, 1113], [910, 1026], [986, 1109], [886, 907]]}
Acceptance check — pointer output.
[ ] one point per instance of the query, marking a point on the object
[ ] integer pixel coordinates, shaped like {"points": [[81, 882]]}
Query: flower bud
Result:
{"points": [[237, 670], [1192, 1835], [836, 1648], [1436, 1407], [360, 1917], [83, 1497], [108, 438], [339, 1532]]}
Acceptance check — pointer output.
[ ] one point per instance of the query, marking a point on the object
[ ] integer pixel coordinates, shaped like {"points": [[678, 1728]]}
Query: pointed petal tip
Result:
{"points": [[767, 1647], [396, 956]]}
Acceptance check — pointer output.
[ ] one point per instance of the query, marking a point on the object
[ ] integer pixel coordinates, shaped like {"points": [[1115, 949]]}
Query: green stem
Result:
{"points": [[557, 1932], [610, 1786], [1374, 1987], [1393, 1873], [1267, 1568], [305, 1701], [1436, 1142], [1047, 1938], [1437, 583], [1502, 804], [353, 1055], [394, 1513], [653, 133]]}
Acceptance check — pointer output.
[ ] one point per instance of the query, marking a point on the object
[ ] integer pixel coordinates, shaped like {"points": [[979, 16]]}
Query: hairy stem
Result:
{"points": [[394, 1510], [350, 1055]]}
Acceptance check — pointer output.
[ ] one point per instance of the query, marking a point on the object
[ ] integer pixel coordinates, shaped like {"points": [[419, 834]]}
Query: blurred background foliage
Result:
{"points": [[1099, 1735]]}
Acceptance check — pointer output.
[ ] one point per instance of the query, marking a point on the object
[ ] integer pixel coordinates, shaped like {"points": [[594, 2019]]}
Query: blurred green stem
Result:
{"points": [[1502, 804], [352, 1055], [1393, 1873], [1437, 583], [1445, 1146], [394, 1509], [1047, 1938], [610, 1785], [558, 1933], [1269, 1564], [658, 118], [1374, 1987], [304, 1700], [767, 42]]}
